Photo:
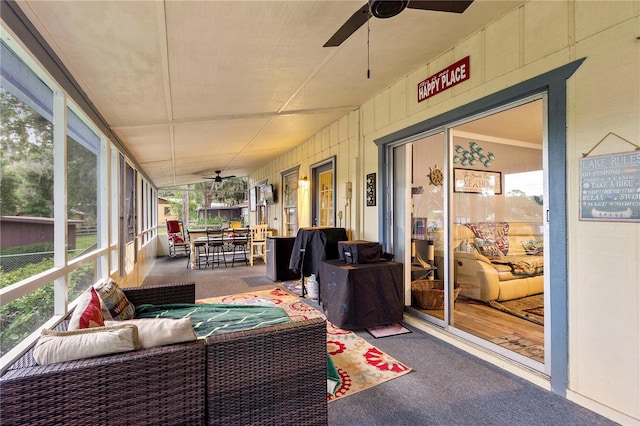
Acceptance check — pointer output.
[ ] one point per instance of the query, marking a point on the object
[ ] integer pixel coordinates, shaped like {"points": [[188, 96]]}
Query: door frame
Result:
{"points": [[316, 168], [554, 84]]}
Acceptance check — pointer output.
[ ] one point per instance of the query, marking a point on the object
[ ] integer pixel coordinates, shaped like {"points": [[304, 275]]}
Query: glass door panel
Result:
{"points": [[323, 181], [427, 226], [290, 204], [497, 231], [468, 223], [326, 198]]}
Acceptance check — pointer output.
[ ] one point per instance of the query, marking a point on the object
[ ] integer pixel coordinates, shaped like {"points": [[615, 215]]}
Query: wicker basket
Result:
{"points": [[429, 294]]}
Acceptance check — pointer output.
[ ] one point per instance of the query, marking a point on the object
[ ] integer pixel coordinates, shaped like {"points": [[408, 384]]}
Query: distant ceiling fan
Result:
{"points": [[389, 8], [217, 178]]}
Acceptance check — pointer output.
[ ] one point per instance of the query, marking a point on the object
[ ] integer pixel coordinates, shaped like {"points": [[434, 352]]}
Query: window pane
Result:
{"points": [[82, 184], [130, 202], [290, 204], [26, 160], [81, 279], [24, 315]]}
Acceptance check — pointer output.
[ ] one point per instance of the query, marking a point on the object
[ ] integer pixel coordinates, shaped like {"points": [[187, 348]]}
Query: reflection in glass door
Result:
{"points": [[426, 222], [498, 231]]}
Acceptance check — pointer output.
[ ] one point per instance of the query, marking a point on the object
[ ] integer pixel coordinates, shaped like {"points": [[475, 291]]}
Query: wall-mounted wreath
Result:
{"points": [[371, 189]]}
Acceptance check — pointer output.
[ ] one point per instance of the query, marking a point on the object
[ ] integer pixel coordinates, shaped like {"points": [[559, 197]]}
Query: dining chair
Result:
{"points": [[201, 250], [258, 245], [215, 244], [239, 242]]}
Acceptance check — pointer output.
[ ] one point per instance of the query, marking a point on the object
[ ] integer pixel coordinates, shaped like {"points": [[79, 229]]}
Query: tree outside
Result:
{"points": [[230, 192]]}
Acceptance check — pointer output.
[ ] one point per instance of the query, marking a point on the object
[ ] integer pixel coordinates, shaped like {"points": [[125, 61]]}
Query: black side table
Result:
{"points": [[362, 296]]}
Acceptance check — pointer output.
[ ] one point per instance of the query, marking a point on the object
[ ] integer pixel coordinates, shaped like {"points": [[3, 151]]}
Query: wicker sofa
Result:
{"points": [[273, 375], [486, 280]]}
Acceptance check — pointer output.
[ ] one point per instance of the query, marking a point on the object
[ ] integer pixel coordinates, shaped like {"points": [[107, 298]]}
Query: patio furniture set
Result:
{"points": [[274, 374], [212, 246]]}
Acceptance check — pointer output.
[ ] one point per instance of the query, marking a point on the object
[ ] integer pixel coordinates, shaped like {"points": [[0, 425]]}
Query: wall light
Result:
{"points": [[304, 183]]}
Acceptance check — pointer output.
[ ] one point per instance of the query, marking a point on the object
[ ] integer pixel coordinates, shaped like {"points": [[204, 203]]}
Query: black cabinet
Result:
{"points": [[278, 255]]}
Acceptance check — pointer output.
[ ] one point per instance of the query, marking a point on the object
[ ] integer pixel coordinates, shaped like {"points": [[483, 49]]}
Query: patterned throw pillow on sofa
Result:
{"points": [[466, 246], [492, 231], [488, 249], [88, 311], [533, 247], [116, 304]]}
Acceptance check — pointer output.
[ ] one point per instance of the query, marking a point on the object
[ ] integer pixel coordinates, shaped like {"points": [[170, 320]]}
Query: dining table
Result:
{"points": [[199, 236]]}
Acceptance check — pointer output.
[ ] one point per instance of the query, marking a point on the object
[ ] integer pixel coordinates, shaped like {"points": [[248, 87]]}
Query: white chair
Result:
{"points": [[258, 245]]}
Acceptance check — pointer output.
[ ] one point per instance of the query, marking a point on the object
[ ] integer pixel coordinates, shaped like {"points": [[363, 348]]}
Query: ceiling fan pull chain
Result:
{"points": [[368, 48]]}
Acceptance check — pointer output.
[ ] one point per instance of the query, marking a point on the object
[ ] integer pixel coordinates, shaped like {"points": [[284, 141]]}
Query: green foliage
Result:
{"points": [[26, 143], [8, 194], [32, 248], [212, 221], [23, 316], [82, 182], [230, 191]]}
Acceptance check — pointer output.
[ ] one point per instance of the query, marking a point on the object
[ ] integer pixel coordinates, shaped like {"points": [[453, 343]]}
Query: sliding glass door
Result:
{"points": [[469, 225]]}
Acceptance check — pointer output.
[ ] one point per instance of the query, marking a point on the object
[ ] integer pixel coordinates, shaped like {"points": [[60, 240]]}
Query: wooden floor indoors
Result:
{"points": [[490, 324]]}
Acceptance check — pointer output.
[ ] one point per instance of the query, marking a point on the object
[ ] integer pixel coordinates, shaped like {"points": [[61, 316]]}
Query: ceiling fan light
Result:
{"points": [[387, 9]]}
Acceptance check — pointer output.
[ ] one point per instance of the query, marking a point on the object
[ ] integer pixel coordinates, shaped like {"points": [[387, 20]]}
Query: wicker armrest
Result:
{"points": [[163, 385], [162, 294], [277, 372]]}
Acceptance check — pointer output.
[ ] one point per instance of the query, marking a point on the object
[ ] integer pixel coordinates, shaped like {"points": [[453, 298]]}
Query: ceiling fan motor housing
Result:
{"points": [[387, 9]]}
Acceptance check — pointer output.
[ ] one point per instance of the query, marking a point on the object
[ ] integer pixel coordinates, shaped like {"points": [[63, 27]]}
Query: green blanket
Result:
{"points": [[214, 318], [333, 377]]}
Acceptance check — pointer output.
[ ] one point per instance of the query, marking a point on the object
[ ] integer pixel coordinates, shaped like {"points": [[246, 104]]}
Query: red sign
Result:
{"points": [[443, 80]]}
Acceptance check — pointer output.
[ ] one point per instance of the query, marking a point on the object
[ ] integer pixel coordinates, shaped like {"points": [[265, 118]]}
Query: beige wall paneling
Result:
{"points": [[334, 134], [504, 55], [317, 143], [343, 128], [397, 101], [545, 28], [605, 349], [367, 114], [594, 17], [381, 110], [326, 137]]}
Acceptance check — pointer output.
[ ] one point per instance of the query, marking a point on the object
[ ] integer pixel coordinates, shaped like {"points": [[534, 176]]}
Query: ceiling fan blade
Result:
{"points": [[357, 20], [454, 6], [227, 177]]}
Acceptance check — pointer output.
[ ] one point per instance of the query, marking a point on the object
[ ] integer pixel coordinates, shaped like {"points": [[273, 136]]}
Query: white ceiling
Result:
{"points": [[191, 87]]}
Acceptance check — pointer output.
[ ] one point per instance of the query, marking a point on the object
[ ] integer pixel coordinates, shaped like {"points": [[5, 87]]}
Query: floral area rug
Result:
{"points": [[360, 364]]}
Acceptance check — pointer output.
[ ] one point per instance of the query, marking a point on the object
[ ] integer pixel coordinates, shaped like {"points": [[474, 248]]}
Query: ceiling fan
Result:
{"points": [[389, 8], [217, 178]]}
